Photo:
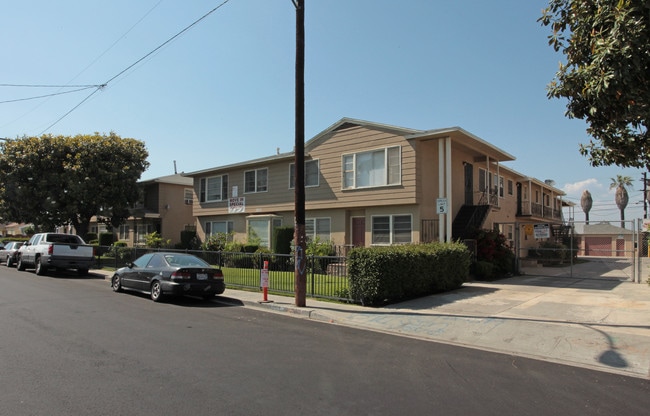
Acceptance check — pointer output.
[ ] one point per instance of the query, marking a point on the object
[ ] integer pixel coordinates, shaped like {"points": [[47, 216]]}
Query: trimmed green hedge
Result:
{"points": [[381, 275]]}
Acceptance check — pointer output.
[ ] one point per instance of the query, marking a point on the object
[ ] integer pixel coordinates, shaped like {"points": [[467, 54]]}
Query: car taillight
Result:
{"points": [[218, 274], [50, 249], [179, 275]]}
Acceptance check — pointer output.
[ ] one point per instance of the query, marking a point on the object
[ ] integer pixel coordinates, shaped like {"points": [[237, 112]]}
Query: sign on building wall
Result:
{"points": [[542, 231], [236, 205]]}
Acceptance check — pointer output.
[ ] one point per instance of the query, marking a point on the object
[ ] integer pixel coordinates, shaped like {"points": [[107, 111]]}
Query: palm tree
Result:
{"points": [[622, 198], [586, 202]]}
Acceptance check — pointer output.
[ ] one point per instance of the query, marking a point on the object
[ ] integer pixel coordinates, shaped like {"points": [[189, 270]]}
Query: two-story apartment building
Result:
{"points": [[165, 207], [373, 184]]}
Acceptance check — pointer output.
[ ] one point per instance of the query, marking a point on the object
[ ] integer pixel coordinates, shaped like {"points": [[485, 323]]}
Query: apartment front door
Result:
{"points": [[469, 184], [358, 231]]}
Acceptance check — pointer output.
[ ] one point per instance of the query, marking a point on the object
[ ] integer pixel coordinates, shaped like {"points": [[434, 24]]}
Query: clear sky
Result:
{"points": [[223, 91]]}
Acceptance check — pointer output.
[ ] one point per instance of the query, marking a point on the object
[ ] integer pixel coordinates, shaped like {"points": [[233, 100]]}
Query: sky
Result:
{"points": [[223, 91]]}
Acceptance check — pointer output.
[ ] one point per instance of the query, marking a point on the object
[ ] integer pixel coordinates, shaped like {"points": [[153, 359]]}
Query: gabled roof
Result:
{"points": [[346, 123], [457, 134]]}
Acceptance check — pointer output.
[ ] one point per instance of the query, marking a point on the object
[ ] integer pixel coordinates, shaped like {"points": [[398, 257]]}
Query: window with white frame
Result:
{"points": [[256, 180], [123, 232], [215, 227], [311, 174], [188, 196], [374, 168], [141, 231], [510, 187], [261, 229], [213, 189], [318, 227], [391, 229]]}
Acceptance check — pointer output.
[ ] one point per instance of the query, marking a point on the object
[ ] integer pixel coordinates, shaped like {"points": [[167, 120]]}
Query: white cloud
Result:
{"points": [[574, 190]]}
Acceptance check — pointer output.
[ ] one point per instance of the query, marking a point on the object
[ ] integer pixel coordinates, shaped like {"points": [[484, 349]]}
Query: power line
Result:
{"points": [[137, 62], [48, 95]]}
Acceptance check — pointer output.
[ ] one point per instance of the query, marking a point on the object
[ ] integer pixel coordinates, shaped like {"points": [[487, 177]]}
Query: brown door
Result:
{"points": [[358, 231]]}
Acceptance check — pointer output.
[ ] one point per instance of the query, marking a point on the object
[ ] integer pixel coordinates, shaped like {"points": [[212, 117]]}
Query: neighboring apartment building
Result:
{"points": [[374, 184], [166, 207]]}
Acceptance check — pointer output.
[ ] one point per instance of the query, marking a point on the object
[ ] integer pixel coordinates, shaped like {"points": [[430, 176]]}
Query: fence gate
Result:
{"points": [[598, 249]]}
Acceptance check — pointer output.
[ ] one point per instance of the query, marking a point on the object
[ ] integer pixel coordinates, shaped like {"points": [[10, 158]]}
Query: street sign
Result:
{"points": [[441, 203]]}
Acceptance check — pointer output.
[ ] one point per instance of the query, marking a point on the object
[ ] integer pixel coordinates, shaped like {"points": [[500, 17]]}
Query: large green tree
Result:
{"points": [[606, 76], [58, 180]]}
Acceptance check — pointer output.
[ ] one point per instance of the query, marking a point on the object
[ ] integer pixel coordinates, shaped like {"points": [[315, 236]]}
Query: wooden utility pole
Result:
{"points": [[300, 285]]}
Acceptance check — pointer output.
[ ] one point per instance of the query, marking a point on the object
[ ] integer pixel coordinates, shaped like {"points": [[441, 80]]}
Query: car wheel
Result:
{"points": [[82, 272], [156, 291], [116, 283], [20, 265], [38, 267]]}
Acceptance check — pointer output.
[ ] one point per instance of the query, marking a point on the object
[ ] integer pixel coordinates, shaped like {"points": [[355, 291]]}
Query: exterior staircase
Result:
{"points": [[468, 219]]}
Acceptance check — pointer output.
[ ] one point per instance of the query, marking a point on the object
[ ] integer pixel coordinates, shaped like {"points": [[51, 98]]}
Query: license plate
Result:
{"points": [[201, 276]]}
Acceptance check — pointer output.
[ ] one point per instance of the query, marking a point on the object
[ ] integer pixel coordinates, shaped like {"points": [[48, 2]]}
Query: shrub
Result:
{"points": [[388, 274], [105, 239], [492, 247], [216, 242], [189, 240], [282, 239], [154, 240]]}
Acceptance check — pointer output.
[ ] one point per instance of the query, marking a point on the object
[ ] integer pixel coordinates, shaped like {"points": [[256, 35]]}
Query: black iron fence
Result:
{"points": [[326, 275]]}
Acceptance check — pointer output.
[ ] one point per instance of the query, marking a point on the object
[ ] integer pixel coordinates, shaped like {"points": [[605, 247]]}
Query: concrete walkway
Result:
{"points": [[596, 322]]}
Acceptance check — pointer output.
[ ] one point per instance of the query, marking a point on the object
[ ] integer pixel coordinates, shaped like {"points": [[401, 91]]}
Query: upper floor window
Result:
{"points": [[510, 184], [374, 168], [256, 180], [311, 174], [213, 189], [188, 196]]}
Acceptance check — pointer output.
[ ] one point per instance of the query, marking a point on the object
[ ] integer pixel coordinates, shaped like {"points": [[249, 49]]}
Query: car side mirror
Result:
{"points": [[129, 265]]}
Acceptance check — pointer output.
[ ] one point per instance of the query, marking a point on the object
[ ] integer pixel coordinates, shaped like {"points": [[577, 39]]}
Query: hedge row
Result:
{"points": [[381, 275]]}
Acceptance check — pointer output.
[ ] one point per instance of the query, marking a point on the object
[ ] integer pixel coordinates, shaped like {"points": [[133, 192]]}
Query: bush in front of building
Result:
{"points": [[382, 275]]}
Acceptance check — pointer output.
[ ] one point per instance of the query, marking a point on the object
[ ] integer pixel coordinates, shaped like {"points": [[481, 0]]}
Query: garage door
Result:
{"points": [[598, 246]]}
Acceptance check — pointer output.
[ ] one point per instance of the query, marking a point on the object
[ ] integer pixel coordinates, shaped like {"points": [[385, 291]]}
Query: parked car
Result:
{"points": [[9, 253], [168, 273], [55, 250]]}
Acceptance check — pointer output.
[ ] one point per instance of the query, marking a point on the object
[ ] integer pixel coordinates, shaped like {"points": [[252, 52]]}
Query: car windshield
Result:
{"points": [[185, 260]]}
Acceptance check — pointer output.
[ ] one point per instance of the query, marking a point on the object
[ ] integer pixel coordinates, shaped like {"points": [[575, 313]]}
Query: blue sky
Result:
{"points": [[223, 91]]}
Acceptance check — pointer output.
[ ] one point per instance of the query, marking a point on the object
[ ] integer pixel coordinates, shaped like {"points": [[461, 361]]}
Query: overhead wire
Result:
{"points": [[99, 87]]}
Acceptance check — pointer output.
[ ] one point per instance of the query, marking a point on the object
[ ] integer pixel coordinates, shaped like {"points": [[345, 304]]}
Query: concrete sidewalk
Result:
{"points": [[597, 323]]}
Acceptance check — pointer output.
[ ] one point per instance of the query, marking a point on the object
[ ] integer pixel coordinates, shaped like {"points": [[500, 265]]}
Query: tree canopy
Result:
{"points": [[58, 180], [606, 77]]}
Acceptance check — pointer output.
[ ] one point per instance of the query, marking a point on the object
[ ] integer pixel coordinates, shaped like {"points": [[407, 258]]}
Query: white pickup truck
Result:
{"points": [[53, 250]]}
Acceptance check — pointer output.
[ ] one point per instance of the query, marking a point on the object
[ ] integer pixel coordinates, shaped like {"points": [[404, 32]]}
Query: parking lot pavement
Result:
{"points": [[597, 323]]}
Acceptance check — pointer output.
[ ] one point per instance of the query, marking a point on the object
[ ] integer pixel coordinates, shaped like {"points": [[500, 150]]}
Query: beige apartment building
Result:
{"points": [[370, 184]]}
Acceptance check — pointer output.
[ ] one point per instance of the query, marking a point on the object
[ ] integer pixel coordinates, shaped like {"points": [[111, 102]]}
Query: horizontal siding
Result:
{"points": [[328, 194]]}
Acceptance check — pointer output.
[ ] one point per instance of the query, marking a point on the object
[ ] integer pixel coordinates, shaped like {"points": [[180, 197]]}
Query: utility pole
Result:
{"points": [[300, 285], [645, 196]]}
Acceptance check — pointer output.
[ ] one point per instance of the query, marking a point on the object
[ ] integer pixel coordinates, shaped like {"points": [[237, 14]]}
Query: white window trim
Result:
{"points": [[315, 219], [391, 230], [386, 170], [292, 184], [210, 225], [256, 190], [221, 189]]}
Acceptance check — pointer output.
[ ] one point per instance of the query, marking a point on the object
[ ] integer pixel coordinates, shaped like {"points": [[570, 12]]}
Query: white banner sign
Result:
{"points": [[236, 205]]}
